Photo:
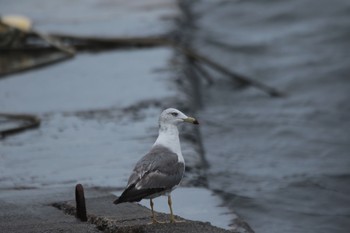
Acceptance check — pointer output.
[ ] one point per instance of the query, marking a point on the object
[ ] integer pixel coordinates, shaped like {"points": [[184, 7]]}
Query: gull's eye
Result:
{"points": [[175, 114]]}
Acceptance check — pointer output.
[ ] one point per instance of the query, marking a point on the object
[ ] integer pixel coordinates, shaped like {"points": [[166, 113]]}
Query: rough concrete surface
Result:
{"points": [[131, 217], [31, 211], [45, 210]]}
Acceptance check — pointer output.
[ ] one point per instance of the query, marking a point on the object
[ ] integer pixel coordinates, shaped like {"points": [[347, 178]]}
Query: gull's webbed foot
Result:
{"points": [[173, 220], [155, 221]]}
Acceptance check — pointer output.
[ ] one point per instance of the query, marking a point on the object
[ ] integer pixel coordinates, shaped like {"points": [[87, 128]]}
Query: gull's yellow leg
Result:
{"points": [[172, 218], [154, 220]]}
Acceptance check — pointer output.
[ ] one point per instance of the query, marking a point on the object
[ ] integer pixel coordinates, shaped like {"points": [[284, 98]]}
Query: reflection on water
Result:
{"points": [[15, 61]]}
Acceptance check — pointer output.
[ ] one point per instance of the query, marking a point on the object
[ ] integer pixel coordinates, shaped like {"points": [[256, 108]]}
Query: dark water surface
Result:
{"points": [[283, 164]]}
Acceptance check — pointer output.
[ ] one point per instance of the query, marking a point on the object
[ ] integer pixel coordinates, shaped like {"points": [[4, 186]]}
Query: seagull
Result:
{"points": [[160, 171]]}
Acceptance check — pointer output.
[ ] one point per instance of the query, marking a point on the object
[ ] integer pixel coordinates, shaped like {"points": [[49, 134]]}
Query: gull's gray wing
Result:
{"points": [[157, 171]]}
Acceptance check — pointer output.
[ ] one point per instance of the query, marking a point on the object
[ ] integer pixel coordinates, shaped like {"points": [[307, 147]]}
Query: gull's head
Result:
{"points": [[173, 116]]}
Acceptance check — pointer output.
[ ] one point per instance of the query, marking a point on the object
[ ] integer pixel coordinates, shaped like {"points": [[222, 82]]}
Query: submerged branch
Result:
{"points": [[201, 71], [242, 79]]}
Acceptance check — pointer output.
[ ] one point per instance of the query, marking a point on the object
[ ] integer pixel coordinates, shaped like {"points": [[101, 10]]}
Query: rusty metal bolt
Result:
{"points": [[80, 203]]}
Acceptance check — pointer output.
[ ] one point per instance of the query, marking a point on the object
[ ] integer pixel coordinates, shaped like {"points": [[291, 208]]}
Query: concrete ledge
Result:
{"points": [[132, 217]]}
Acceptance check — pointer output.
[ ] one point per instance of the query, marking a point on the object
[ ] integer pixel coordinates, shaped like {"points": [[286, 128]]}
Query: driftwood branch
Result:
{"points": [[55, 42], [90, 41], [16, 53]]}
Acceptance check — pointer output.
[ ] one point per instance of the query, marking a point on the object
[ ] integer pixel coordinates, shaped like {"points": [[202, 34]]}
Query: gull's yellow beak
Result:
{"points": [[191, 120]]}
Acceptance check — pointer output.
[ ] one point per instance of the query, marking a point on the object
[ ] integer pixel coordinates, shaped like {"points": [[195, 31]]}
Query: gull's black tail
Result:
{"points": [[131, 194]]}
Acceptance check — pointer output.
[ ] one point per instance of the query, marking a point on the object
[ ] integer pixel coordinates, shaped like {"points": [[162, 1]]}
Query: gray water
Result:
{"points": [[281, 163]]}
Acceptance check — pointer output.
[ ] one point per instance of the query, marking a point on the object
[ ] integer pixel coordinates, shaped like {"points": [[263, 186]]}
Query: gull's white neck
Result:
{"points": [[169, 137]]}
